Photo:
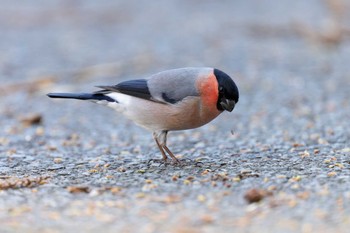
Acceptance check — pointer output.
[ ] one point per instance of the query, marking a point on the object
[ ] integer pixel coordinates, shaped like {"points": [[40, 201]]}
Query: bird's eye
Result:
{"points": [[221, 89]]}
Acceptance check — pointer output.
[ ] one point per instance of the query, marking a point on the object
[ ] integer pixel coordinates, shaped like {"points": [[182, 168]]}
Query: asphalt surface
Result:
{"points": [[278, 163]]}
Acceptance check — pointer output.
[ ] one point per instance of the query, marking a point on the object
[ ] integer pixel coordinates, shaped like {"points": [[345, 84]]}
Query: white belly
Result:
{"points": [[154, 116]]}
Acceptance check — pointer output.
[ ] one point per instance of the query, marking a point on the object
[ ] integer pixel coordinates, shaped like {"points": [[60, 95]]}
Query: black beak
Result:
{"points": [[227, 105]]}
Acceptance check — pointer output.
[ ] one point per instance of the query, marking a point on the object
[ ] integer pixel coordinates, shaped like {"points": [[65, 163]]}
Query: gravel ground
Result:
{"points": [[279, 163]]}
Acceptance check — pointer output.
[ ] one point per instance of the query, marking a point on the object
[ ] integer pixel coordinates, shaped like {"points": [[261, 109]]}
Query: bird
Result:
{"points": [[171, 100]]}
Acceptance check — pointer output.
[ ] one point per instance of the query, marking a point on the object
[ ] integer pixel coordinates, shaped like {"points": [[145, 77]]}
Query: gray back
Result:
{"points": [[174, 85]]}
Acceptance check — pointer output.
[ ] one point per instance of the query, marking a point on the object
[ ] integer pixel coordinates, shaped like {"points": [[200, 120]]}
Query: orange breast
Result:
{"points": [[208, 88]]}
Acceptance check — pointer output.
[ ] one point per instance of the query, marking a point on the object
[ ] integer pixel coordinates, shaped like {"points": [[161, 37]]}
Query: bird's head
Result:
{"points": [[228, 91]]}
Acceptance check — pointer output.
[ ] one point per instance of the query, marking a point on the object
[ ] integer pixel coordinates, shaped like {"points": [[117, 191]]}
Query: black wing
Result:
{"points": [[137, 88]]}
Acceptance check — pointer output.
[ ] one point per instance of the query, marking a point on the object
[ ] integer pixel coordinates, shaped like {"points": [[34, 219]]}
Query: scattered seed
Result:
{"points": [[207, 219], [304, 154], [26, 182], [51, 148], [236, 179], [140, 195], [205, 172], [297, 145], [201, 198], [341, 166], [40, 131], [187, 182], [78, 189], [295, 179], [256, 195], [116, 190], [331, 174], [303, 195], [32, 119], [57, 160]]}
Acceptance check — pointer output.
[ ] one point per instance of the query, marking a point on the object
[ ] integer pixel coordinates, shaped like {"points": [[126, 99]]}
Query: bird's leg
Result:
{"points": [[164, 134], [155, 136], [171, 154]]}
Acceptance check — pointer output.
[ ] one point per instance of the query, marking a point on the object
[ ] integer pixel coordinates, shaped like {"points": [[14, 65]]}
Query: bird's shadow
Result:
{"points": [[171, 163]]}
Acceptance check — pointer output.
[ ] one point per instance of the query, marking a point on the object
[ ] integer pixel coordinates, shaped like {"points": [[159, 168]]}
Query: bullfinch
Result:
{"points": [[176, 99]]}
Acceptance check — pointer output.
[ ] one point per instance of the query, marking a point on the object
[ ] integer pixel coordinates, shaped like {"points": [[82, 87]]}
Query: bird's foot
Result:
{"points": [[172, 156], [165, 162], [158, 161]]}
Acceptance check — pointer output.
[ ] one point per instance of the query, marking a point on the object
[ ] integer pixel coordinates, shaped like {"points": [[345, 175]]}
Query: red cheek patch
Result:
{"points": [[208, 89]]}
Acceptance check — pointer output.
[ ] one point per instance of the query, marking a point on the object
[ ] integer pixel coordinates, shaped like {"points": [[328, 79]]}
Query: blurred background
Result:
{"points": [[118, 38], [291, 54], [290, 60], [270, 45]]}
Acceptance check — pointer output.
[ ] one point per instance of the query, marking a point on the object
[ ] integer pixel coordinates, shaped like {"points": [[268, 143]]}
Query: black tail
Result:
{"points": [[81, 96]]}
